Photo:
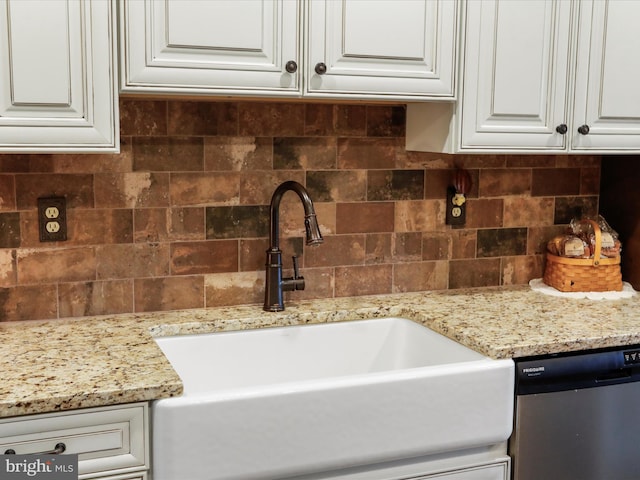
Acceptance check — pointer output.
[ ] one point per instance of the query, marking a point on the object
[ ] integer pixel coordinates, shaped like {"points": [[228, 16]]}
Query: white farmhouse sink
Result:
{"points": [[281, 402]]}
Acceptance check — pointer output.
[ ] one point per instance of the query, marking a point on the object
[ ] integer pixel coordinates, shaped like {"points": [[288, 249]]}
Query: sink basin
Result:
{"points": [[281, 402]]}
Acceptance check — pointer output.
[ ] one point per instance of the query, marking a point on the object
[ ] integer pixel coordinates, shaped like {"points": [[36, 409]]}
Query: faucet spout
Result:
{"points": [[274, 283]]}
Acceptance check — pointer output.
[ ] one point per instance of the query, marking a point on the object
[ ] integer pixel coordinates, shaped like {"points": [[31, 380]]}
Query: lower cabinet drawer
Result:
{"points": [[106, 439]]}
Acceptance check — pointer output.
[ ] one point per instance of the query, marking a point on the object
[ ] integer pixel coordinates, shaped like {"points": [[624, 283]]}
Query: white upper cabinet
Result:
{"points": [[607, 80], [58, 89], [247, 47], [400, 48], [516, 73], [324, 48], [541, 76]]}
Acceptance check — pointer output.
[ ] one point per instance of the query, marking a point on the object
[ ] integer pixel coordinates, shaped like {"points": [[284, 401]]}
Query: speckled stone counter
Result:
{"points": [[77, 363]]}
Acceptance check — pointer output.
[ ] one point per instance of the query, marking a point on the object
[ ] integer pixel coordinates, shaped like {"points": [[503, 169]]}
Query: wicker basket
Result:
{"points": [[597, 274]]}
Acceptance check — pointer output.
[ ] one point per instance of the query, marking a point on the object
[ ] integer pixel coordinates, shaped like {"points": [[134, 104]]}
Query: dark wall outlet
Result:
{"points": [[52, 219]]}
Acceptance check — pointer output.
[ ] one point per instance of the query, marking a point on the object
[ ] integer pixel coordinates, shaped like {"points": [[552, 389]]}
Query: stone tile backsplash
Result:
{"points": [[179, 219]]}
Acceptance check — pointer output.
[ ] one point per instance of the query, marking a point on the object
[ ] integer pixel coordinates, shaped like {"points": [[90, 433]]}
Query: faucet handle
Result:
{"points": [[296, 270], [297, 281]]}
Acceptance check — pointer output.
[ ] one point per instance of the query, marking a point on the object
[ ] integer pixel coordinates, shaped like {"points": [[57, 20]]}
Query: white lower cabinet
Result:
{"points": [[111, 442]]}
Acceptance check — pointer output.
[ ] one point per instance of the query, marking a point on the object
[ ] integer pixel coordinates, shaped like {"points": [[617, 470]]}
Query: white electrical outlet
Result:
{"points": [[52, 219]]}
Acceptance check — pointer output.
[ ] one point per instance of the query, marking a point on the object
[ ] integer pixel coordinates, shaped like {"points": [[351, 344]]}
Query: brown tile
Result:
{"points": [[341, 120], [205, 188], [393, 247], [103, 226], [304, 153], [363, 153], [162, 154], [419, 216], [519, 270], [164, 224], [265, 119], [337, 250], [337, 186], [364, 217], [548, 182], [464, 243], [256, 188], [56, 265], [82, 163], [76, 188], [420, 276], [10, 230], [187, 223], [436, 246], [8, 274], [190, 258], [395, 185], [202, 118], [238, 153], [95, 298], [502, 242], [238, 288], [319, 283], [363, 280], [578, 161], [427, 160], [570, 207], [590, 181], [531, 161], [472, 160], [130, 190], [7, 193], [132, 260], [484, 213], [239, 221], [483, 272], [143, 117], [508, 181], [386, 121], [528, 211], [169, 293], [18, 303]]}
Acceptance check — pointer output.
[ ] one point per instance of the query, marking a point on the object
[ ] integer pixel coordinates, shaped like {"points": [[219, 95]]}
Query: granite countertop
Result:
{"points": [[75, 363]]}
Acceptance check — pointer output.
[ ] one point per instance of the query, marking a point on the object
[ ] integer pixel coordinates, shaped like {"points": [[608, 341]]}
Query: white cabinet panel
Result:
{"points": [[385, 49], [403, 48], [607, 97], [221, 47], [516, 73], [57, 76]]}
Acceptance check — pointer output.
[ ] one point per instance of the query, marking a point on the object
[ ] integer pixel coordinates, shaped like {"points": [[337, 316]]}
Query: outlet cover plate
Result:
{"points": [[52, 219]]}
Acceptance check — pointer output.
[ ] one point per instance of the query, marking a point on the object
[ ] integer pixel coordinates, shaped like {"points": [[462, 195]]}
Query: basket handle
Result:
{"points": [[598, 234]]}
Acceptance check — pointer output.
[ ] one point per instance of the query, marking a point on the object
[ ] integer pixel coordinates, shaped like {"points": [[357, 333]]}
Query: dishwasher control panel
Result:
{"points": [[632, 357]]}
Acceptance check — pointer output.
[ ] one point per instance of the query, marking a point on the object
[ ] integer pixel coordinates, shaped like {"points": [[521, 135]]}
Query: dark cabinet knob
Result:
{"points": [[561, 129], [291, 66], [321, 68], [583, 129]]}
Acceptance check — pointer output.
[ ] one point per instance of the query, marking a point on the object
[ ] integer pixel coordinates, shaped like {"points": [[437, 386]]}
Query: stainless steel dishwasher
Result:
{"points": [[577, 416]]}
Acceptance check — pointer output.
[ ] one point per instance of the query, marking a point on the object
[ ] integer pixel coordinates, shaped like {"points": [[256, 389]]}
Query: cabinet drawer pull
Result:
{"points": [[583, 129], [58, 449], [561, 129], [291, 66], [321, 68]]}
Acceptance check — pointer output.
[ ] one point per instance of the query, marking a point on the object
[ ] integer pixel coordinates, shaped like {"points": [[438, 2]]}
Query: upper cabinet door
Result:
{"points": [[381, 49], [57, 76], [231, 47], [516, 71], [607, 97]]}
